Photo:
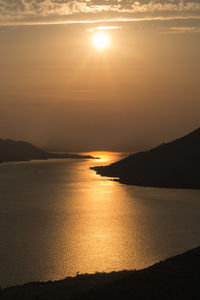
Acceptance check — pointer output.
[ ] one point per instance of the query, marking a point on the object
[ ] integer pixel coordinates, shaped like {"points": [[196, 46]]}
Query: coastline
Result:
{"points": [[100, 170], [170, 165], [74, 156], [177, 277]]}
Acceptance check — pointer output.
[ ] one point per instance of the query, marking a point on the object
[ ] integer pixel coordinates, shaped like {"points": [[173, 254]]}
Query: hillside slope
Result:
{"points": [[175, 164], [176, 278], [11, 151]]}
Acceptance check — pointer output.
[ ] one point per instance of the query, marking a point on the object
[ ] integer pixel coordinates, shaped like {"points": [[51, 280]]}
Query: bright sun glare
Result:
{"points": [[101, 40]]}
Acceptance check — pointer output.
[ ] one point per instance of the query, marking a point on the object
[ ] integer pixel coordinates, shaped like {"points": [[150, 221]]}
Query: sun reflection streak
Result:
{"points": [[97, 235], [106, 156]]}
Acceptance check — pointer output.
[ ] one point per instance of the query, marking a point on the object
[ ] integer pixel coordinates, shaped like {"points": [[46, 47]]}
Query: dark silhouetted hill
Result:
{"points": [[176, 278], [173, 165], [11, 151]]}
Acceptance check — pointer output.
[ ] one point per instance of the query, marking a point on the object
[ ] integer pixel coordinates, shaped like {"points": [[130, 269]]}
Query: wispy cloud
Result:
{"points": [[180, 29], [100, 28], [23, 12]]}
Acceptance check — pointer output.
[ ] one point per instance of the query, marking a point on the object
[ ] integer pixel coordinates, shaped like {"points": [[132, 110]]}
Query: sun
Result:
{"points": [[101, 40]]}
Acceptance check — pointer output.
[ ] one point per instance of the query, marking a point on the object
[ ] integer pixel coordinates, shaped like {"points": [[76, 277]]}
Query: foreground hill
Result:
{"points": [[174, 165], [176, 278], [22, 151]]}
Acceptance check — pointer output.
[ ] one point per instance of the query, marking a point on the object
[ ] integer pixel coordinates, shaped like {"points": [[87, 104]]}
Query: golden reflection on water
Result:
{"points": [[96, 236], [106, 156], [66, 219]]}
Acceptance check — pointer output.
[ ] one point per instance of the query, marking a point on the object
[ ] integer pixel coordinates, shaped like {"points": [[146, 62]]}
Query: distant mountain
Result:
{"points": [[22, 151], [174, 165]]}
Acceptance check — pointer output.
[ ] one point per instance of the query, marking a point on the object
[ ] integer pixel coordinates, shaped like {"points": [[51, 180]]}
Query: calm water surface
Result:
{"points": [[57, 218]]}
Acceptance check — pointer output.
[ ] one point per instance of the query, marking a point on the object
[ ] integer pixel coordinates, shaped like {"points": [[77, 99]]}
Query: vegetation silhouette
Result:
{"points": [[172, 165], [176, 278]]}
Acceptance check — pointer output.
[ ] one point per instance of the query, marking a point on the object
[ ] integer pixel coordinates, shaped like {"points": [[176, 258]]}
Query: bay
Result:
{"points": [[57, 218]]}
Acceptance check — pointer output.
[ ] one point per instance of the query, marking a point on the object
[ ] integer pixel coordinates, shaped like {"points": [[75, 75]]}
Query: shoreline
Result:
{"points": [[75, 156], [176, 277], [121, 181]]}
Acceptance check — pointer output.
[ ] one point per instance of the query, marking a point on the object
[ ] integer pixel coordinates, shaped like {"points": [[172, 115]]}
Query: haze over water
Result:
{"points": [[57, 218]]}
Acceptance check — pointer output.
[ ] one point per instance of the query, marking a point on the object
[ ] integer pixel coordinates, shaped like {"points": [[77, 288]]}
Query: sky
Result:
{"points": [[60, 92]]}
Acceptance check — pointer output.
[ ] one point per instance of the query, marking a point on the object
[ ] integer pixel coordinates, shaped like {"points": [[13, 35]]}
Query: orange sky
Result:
{"points": [[57, 90]]}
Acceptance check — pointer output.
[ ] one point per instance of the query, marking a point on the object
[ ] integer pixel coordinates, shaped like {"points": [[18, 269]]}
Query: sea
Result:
{"points": [[58, 218]]}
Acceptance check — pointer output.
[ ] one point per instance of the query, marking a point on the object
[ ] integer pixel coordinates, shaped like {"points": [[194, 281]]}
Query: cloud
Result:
{"points": [[24, 12], [99, 28], [181, 29]]}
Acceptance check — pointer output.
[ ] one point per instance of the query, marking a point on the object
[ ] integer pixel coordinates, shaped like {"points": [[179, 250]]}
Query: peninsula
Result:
{"points": [[171, 165], [14, 151]]}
